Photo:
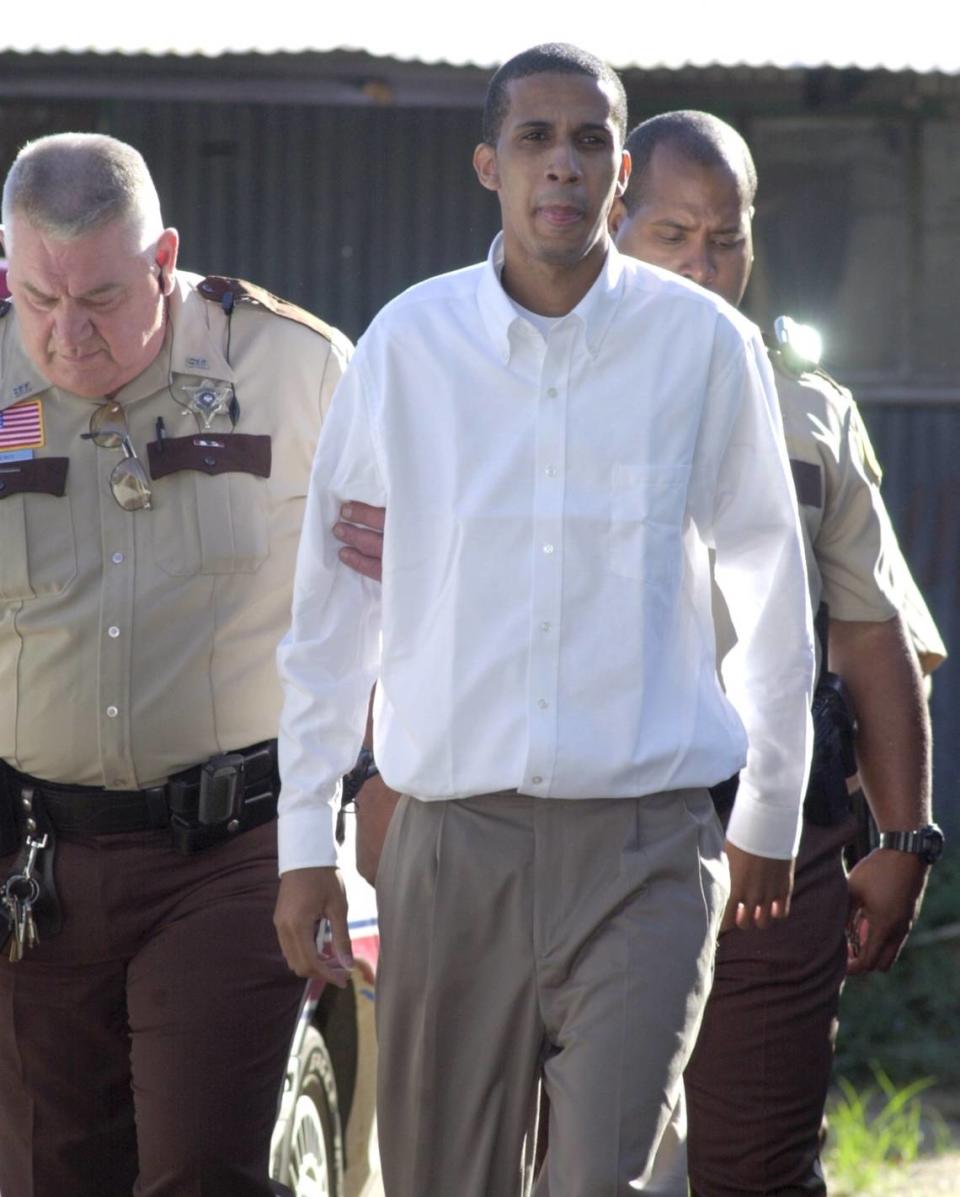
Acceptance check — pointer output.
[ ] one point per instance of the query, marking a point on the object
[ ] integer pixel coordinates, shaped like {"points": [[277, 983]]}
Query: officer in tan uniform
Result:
{"points": [[754, 1115], [156, 437]]}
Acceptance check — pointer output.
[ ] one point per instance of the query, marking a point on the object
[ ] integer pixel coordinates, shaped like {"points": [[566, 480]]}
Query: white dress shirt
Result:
{"points": [[544, 623]]}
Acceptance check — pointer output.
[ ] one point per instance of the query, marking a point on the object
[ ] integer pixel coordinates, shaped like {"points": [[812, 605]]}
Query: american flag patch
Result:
{"points": [[21, 426]]}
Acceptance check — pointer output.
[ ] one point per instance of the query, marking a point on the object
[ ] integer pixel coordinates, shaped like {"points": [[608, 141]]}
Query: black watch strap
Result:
{"points": [[362, 771], [353, 781]]}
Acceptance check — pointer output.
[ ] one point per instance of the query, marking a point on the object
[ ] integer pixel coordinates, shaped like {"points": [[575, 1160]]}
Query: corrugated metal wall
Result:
{"points": [[337, 208]]}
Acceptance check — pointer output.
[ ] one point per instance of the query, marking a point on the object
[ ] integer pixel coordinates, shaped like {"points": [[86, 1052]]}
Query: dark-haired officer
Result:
{"points": [[757, 1082]]}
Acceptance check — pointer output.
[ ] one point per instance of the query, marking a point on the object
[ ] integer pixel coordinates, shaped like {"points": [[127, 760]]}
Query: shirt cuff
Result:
{"points": [[764, 829], [305, 837]]}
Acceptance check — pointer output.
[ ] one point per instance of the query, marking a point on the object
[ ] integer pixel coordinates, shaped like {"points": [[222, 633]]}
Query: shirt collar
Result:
{"points": [[595, 311]]}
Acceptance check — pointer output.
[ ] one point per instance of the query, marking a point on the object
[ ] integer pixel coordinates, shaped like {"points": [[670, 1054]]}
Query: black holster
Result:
{"points": [[230, 793], [827, 800]]}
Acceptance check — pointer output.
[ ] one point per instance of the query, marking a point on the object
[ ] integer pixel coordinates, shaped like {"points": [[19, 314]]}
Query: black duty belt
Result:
{"points": [[202, 805]]}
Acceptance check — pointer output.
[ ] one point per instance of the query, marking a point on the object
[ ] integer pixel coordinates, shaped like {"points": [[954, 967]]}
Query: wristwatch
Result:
{"points": [[353, 782], [925, 842], [362, 771]]}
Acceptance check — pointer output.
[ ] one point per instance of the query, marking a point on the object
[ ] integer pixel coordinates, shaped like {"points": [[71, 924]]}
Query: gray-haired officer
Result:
{"points": [[156, 439], [754, 1115]]}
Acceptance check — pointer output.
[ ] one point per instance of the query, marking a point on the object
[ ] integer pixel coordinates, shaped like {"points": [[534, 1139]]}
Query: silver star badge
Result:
{"points": [[207, 400]]}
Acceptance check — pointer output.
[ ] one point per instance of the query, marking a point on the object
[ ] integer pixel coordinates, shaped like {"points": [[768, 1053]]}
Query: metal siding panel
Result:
{"points": [[338, 209], [833, 190]]}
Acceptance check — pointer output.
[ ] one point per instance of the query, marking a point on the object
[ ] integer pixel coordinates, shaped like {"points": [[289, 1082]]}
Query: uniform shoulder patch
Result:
{"points": [[808, 482], [5, 306], [228, 292]]}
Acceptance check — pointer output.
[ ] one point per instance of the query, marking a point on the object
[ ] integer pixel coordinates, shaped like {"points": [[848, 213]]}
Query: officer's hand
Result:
{"points": [[375, 806], [760, 889], [361, 530], [306, 898], [886, 889]]}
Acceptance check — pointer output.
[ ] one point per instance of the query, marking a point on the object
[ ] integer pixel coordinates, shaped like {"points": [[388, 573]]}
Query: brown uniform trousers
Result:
{"points": [[181, 952], [757, 1082]]}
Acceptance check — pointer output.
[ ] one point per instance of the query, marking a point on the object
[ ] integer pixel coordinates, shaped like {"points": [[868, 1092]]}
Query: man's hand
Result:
{"points": [[307, 897], [375, 806], [361, 530], [760, 889], [886, 889]]}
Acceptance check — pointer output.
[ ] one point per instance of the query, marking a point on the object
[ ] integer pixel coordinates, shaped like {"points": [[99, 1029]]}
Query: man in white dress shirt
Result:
{"points": [[560, 435]]}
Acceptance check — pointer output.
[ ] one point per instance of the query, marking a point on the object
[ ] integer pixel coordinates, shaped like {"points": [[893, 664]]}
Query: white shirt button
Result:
{"points": [[536, 779], [112, 712], [552, 393], [542, 704], [546, 626], [113, 632], [117, 558], [548, 549], [551, 471]]}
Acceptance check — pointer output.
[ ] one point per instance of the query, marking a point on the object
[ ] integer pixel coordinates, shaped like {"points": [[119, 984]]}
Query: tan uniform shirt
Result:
{"points": [[853, 559], [135, 644]]}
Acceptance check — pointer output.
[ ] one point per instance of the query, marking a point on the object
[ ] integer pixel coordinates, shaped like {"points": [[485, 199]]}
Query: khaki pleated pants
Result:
{"points": [[524, 937]]}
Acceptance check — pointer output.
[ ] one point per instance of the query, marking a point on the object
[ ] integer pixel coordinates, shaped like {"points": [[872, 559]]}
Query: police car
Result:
{"points": [[325, 1142]]}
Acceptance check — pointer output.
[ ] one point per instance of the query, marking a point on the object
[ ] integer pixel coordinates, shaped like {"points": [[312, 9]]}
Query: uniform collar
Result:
{"points": [[20, 378], [200, 329], [594, 312]]}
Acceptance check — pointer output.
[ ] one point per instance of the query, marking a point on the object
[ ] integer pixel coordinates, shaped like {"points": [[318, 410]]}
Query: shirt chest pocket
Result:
{"points": [[38, 552], [211, 503], [646, 522]]}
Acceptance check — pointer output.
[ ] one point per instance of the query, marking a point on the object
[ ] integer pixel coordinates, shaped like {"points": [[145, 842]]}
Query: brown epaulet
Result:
{"points": [[228, 292]]}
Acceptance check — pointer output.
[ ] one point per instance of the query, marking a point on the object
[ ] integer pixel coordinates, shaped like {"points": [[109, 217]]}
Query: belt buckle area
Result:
{"points": [[221, 789]]}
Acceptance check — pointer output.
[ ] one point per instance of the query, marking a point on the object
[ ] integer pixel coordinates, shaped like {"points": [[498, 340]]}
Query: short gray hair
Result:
{"points": [[70, 184]]}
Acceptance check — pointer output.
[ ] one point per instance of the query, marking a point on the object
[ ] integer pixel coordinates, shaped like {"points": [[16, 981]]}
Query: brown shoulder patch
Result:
{"points": [[228, 292], [808, 482]]}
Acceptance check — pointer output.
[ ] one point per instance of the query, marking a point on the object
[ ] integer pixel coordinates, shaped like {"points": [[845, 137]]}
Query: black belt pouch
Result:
{"points": [[9, 834]]}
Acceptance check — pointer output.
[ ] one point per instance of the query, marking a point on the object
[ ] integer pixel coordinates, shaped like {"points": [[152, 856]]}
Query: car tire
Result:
{"points": [[314, 1156]]}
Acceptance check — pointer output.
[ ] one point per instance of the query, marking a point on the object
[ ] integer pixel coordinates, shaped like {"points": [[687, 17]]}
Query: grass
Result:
{"points": [[894, 1028], [872, 1128]]}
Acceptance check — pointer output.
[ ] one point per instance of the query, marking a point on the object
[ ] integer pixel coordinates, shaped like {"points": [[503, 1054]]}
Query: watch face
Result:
{"points": [[931, 844]]}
